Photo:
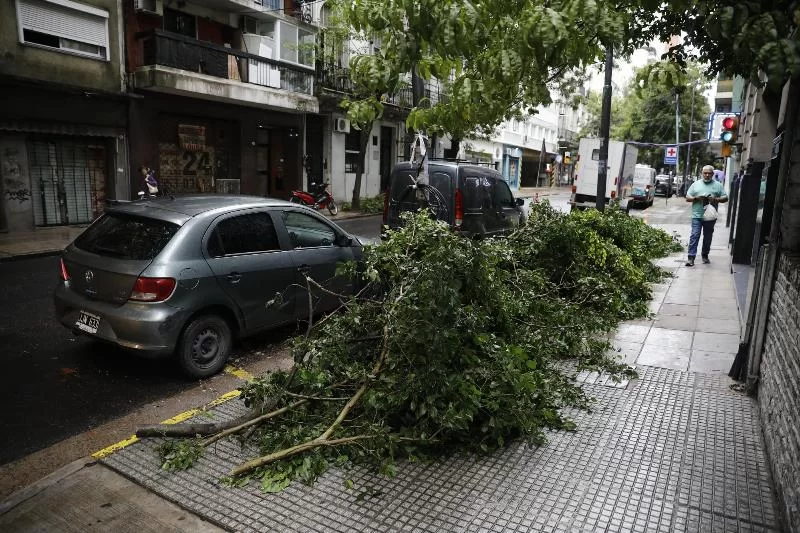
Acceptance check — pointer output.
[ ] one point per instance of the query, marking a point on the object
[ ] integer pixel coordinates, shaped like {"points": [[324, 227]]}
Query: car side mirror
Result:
{"points": [[344, 240], [519, 202]]}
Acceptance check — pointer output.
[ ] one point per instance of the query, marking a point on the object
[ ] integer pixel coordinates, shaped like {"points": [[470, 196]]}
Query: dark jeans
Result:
{"points": [[707, 227]]}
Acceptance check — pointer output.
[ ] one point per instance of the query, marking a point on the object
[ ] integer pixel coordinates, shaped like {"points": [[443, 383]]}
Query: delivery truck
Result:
{"points": [[621, 165]]}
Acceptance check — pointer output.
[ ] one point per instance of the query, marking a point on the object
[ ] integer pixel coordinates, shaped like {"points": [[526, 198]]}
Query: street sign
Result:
{"points": [[670, 155]]}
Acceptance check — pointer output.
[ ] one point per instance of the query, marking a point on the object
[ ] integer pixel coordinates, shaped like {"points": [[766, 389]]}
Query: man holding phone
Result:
{"points": [[703, 193]]}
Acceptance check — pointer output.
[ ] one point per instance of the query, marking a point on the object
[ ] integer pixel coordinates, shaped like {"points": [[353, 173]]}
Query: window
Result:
{"points": [[64, 25], [127, 237], [352, 143], [243, 234], [306, 231], [288, 42], [595, 155], [305, 52], [502, 194], [180, 23]]}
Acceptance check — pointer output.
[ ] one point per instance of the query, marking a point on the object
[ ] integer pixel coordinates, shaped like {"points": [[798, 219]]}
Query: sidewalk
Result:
{"points": [[677, 449]]}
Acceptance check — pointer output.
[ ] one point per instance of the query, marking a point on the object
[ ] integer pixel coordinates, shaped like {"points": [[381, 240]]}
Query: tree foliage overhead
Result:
{"points": [[493, 56], [465, 346], [735, 38], [498, 56], [646, 112]]}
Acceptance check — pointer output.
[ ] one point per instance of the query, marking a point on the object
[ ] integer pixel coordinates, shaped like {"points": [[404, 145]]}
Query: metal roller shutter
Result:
{"points": [[69, 20]]}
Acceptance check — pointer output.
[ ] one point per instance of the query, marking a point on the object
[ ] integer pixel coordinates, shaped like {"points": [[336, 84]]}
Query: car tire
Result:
{"points": [[204, 346], [333, 209]]}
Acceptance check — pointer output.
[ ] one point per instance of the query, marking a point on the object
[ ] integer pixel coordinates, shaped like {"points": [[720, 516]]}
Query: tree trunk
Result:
{"points": [[366, 133]]}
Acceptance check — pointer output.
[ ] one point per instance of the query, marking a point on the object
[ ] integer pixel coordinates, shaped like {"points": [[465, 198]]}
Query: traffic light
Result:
{"points": [[730, 131]]}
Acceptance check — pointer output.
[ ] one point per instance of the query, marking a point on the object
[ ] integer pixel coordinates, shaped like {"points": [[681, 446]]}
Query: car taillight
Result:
{"points": [[459, 211], [613, 194], [152, 289], [64, 273], [386, 207]]}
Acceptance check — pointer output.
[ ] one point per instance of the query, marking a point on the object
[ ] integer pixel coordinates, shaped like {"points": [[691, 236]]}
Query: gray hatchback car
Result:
{"points": [[186, 276]]}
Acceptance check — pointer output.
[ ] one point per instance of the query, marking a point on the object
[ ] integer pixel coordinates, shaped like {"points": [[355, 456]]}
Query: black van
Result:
{"points": [[474, 200]]}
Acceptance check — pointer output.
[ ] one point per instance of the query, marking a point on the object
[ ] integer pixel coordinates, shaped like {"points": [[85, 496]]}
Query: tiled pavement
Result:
{"points": [[677, 449]]}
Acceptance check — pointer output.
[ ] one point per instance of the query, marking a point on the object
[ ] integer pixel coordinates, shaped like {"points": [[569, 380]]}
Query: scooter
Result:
{"points": [[317, 198]]}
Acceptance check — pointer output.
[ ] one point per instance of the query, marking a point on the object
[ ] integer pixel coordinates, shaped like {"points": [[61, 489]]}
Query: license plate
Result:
{"points": [[88, 322]]}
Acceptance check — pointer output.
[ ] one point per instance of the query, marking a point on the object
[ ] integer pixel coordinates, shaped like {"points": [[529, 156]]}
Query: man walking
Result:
{"points": [[705, 192]]}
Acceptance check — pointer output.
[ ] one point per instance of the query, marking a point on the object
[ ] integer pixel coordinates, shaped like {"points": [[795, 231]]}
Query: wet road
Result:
{"points": [[54, 385]]}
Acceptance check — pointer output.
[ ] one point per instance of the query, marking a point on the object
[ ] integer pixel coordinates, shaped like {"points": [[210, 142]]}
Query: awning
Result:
{"points": [[59, 128]]}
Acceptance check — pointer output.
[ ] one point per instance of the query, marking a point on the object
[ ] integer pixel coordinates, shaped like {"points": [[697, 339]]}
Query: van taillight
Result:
{"points": [[613, 194], [575, 188], [386, 207], [152, 289], [64, 273], [459, 211]]}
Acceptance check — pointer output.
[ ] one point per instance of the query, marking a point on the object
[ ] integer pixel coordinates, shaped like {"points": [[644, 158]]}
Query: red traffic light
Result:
{"points": [[730, 123]]}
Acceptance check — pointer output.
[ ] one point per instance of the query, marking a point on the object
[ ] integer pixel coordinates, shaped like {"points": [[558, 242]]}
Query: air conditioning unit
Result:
{"points": [[154, 7], [341, 125]]}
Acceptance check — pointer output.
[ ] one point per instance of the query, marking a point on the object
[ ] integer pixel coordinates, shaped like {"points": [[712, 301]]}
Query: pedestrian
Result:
{"points": [[150, 181], [704, 195]]}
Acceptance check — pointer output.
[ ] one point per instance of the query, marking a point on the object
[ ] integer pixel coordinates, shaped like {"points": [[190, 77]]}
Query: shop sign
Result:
{"points": [[192, 138]]}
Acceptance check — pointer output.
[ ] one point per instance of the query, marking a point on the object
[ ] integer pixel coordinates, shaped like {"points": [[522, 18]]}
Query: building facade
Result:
{"points": [[219, 94], [63, 126]]}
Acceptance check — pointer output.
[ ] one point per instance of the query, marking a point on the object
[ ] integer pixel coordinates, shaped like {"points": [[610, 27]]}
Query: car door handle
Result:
{"points": [[234, 277]]}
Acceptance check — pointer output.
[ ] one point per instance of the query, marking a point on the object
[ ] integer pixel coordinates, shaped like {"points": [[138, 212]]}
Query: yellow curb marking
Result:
{"points": [[239, 372], [181, 417]]}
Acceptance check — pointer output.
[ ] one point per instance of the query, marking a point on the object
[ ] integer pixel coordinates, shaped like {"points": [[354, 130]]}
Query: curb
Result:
{"points": [[26, 493], [28, 255]]}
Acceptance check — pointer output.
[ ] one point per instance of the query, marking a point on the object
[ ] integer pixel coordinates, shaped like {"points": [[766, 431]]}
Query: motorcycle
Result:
{"points": [[318, 198]]}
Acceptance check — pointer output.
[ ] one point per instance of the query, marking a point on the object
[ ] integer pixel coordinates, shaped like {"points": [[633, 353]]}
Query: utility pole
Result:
{"points": [[677, 141], [689, 146], [605, 132]]}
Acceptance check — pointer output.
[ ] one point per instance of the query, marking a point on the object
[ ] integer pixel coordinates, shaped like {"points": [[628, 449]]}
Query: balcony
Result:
{"points": [[178, 64], [337, 79]]}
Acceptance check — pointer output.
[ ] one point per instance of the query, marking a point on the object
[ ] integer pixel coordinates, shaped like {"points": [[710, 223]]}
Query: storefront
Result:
{"points": [[512, 162], [62, 154], [197, 146]]}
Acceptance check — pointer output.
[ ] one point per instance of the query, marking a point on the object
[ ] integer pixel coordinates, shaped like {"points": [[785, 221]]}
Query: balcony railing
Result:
{"points": [[177, 51], [338, 79]]}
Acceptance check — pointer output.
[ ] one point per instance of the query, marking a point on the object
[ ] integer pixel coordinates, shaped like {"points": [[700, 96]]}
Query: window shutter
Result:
{"points": [[56, 19]]}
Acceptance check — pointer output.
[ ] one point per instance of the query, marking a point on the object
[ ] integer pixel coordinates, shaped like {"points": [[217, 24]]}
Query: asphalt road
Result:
{"points": [[54, 385]]}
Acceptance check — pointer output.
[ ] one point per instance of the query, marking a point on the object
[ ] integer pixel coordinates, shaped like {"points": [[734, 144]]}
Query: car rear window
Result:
{"points": [[126, 237], [402, 181]]}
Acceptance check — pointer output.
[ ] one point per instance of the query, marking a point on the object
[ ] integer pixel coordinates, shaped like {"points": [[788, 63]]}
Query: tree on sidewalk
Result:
{"points": [[421, 365]]}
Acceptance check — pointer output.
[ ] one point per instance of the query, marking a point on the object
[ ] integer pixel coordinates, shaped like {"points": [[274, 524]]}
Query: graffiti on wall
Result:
{"points": [[15, 185]]}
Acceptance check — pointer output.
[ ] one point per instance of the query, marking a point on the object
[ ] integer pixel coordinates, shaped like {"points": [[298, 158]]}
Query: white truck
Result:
{"points": [[621, 166]]}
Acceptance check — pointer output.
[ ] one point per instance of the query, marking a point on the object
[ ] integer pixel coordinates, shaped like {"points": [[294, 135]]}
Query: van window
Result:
{"points": [[402, 181], [502, 194], [477, 191], [596, 154], [643, 175]]}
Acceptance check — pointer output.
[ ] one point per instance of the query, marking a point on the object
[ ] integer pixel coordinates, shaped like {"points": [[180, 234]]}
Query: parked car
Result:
{"points": [[663, 185], [473, 199], [186, 276]]}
